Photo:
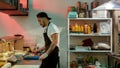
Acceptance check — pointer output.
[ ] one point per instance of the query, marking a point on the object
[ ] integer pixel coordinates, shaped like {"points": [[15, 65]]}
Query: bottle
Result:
{"points": [[73, 28], [82, 29], [86, 28], [82, 13], [76, 27], [89, 29], [95, 28], [79, 28], [86, 10], [78, 6], [70, 27], [91, 60], [86, 6]]}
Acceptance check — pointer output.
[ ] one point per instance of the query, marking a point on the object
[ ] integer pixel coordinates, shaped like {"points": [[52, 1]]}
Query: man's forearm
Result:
{"points": [[53, 44], [51, 48]]}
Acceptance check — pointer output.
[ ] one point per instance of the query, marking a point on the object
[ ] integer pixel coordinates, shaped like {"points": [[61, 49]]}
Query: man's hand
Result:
{"points": [[43, 56]]}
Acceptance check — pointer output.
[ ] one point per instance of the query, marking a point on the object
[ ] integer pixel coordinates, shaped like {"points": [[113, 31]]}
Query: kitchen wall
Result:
{"points": [[29, 27]]}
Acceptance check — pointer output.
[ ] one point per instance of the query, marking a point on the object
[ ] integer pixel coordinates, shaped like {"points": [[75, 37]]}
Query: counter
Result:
{"points": [[21, 62], [25, 66], [27, 63]]}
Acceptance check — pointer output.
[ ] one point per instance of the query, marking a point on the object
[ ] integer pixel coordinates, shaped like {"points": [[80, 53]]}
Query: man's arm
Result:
{"points": [[52, 46]]}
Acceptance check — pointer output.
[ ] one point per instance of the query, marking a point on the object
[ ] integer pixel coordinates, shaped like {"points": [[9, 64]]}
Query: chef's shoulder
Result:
{"points": [[53, 28]]}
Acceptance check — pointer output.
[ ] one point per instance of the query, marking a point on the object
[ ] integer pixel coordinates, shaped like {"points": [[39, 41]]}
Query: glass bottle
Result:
{"points": [[83, 9], [82, 13], [91, 60], [70, 27], [95, 28], [78, 7]]}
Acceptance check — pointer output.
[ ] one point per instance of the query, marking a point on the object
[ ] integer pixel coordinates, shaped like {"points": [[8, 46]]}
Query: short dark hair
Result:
{"points": [[42, 15]]}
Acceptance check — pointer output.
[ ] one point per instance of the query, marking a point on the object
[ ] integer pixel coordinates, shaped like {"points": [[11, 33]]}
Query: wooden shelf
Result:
{"points": [[14, 12], [4, 6], [14, 8]]}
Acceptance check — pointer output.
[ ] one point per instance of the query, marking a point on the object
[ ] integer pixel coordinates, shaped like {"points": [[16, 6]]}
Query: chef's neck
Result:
{"points": [[46, 22]]}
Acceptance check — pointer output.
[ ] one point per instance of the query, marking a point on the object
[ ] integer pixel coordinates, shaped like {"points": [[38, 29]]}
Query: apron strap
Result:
{"points": [[47, 28]]}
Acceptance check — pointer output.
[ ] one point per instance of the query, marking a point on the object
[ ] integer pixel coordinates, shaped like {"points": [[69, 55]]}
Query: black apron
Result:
{"points": [[52, 59]]}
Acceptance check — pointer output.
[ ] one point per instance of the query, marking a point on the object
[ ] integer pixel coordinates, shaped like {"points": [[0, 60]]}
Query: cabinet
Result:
{"points": [[14, 7], [89, 37]]}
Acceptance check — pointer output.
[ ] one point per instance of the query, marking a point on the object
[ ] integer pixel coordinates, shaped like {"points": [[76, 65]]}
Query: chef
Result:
{"points": [[51, 37]]}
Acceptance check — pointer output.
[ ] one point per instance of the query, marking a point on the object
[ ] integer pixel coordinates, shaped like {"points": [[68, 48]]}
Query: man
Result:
{"points": [[51, 37]]}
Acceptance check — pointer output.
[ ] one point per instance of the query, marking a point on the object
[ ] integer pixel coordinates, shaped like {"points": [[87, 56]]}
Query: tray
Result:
{"points": [[28, 57]]}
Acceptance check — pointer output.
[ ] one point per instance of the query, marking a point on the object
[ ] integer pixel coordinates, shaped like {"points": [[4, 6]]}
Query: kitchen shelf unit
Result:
{"points": [[75, 38]]}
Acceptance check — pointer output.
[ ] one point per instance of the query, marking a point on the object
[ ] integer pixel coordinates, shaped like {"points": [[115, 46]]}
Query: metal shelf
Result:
{"points": [[104, 51], [89, 19], [81, 34]]}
